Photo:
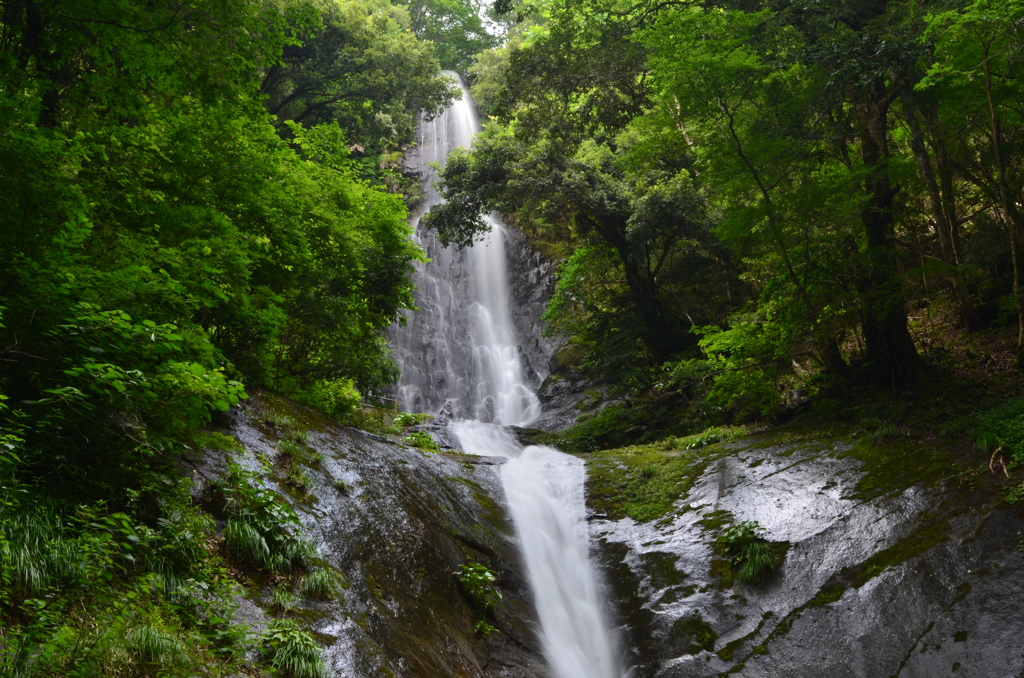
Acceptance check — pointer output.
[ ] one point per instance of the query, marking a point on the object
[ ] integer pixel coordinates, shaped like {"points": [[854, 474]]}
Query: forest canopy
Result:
{"points": [[199, 199], [757, 199]]}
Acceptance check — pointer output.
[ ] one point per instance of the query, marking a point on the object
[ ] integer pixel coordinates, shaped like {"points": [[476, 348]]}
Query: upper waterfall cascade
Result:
{"points": [[460, 349], [460, 352]]}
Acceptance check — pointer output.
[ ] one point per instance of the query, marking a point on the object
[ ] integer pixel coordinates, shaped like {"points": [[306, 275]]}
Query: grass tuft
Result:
{"points": [[751, 556], [322, 584], [293, 653], [246, 543], [151, 645]]}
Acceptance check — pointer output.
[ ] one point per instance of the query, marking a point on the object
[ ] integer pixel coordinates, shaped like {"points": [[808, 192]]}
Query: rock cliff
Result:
{"points": [[899, 561], [398, 523]]}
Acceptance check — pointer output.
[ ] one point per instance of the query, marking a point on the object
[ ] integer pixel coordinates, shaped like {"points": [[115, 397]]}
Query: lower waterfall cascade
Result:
{"points": [[544, 489], [460, 355]]}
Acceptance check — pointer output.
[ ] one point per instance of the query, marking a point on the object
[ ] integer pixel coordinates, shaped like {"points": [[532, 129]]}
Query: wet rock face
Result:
{"points": [[398, 523], [877, 581], [531, 282]]}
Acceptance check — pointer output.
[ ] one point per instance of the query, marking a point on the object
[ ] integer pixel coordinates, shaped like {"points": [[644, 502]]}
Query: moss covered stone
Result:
{"points": [[690, 635]]}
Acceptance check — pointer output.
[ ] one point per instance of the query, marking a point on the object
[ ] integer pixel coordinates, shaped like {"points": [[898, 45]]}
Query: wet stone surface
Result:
{"points": [[398, 526], [531, 283], [909, 581]]}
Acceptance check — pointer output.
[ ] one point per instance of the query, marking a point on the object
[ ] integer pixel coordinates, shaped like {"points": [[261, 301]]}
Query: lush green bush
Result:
{"points": [[1001, 427], [478, 581], [335, 397]]}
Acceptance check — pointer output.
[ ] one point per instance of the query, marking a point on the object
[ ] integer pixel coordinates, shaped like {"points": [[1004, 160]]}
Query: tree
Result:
{"points": [[162, 242], [456, 27], [979, 50], [361, 69], [653, 222]]}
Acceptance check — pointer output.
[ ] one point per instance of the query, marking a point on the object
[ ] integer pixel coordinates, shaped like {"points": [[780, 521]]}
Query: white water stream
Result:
{"points": [[544, 488], [464, 299]]}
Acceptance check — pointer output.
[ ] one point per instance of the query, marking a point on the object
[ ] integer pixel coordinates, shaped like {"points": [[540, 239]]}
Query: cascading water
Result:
{"points": [[460, 348], [544, 488], [460, 352]]}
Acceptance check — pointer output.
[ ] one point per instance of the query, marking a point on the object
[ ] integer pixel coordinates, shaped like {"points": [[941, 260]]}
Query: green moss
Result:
{"points": [[715, 521], [729, 649], [495, 514], [642, 481], [721, 572], [914, 545], [894, 466], [213, 440], [690, 635], [283, 415], [661, 568]]}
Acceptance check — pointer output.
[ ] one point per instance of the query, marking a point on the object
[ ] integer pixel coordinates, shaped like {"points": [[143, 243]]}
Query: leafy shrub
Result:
{"points": [[485, 629], [751, 556], [293, 652], [1001, 426], [410, 419], [1015, 495], [478, 581], [334, 397], [422, 440]]}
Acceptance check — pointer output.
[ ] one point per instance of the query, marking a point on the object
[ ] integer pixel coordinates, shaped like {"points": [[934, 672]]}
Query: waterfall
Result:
{"points": [[544, 488], [460, 348], [459, 352]]}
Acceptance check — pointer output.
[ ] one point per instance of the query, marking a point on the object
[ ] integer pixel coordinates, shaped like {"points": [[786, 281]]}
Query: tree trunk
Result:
{"points": [[657, 331], [942, 224], [1007, 207], [890, 350]]}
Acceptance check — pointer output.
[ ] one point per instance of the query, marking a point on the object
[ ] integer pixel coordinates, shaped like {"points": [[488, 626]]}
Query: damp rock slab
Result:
{"points": [[914, 582], [398, 523]]}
